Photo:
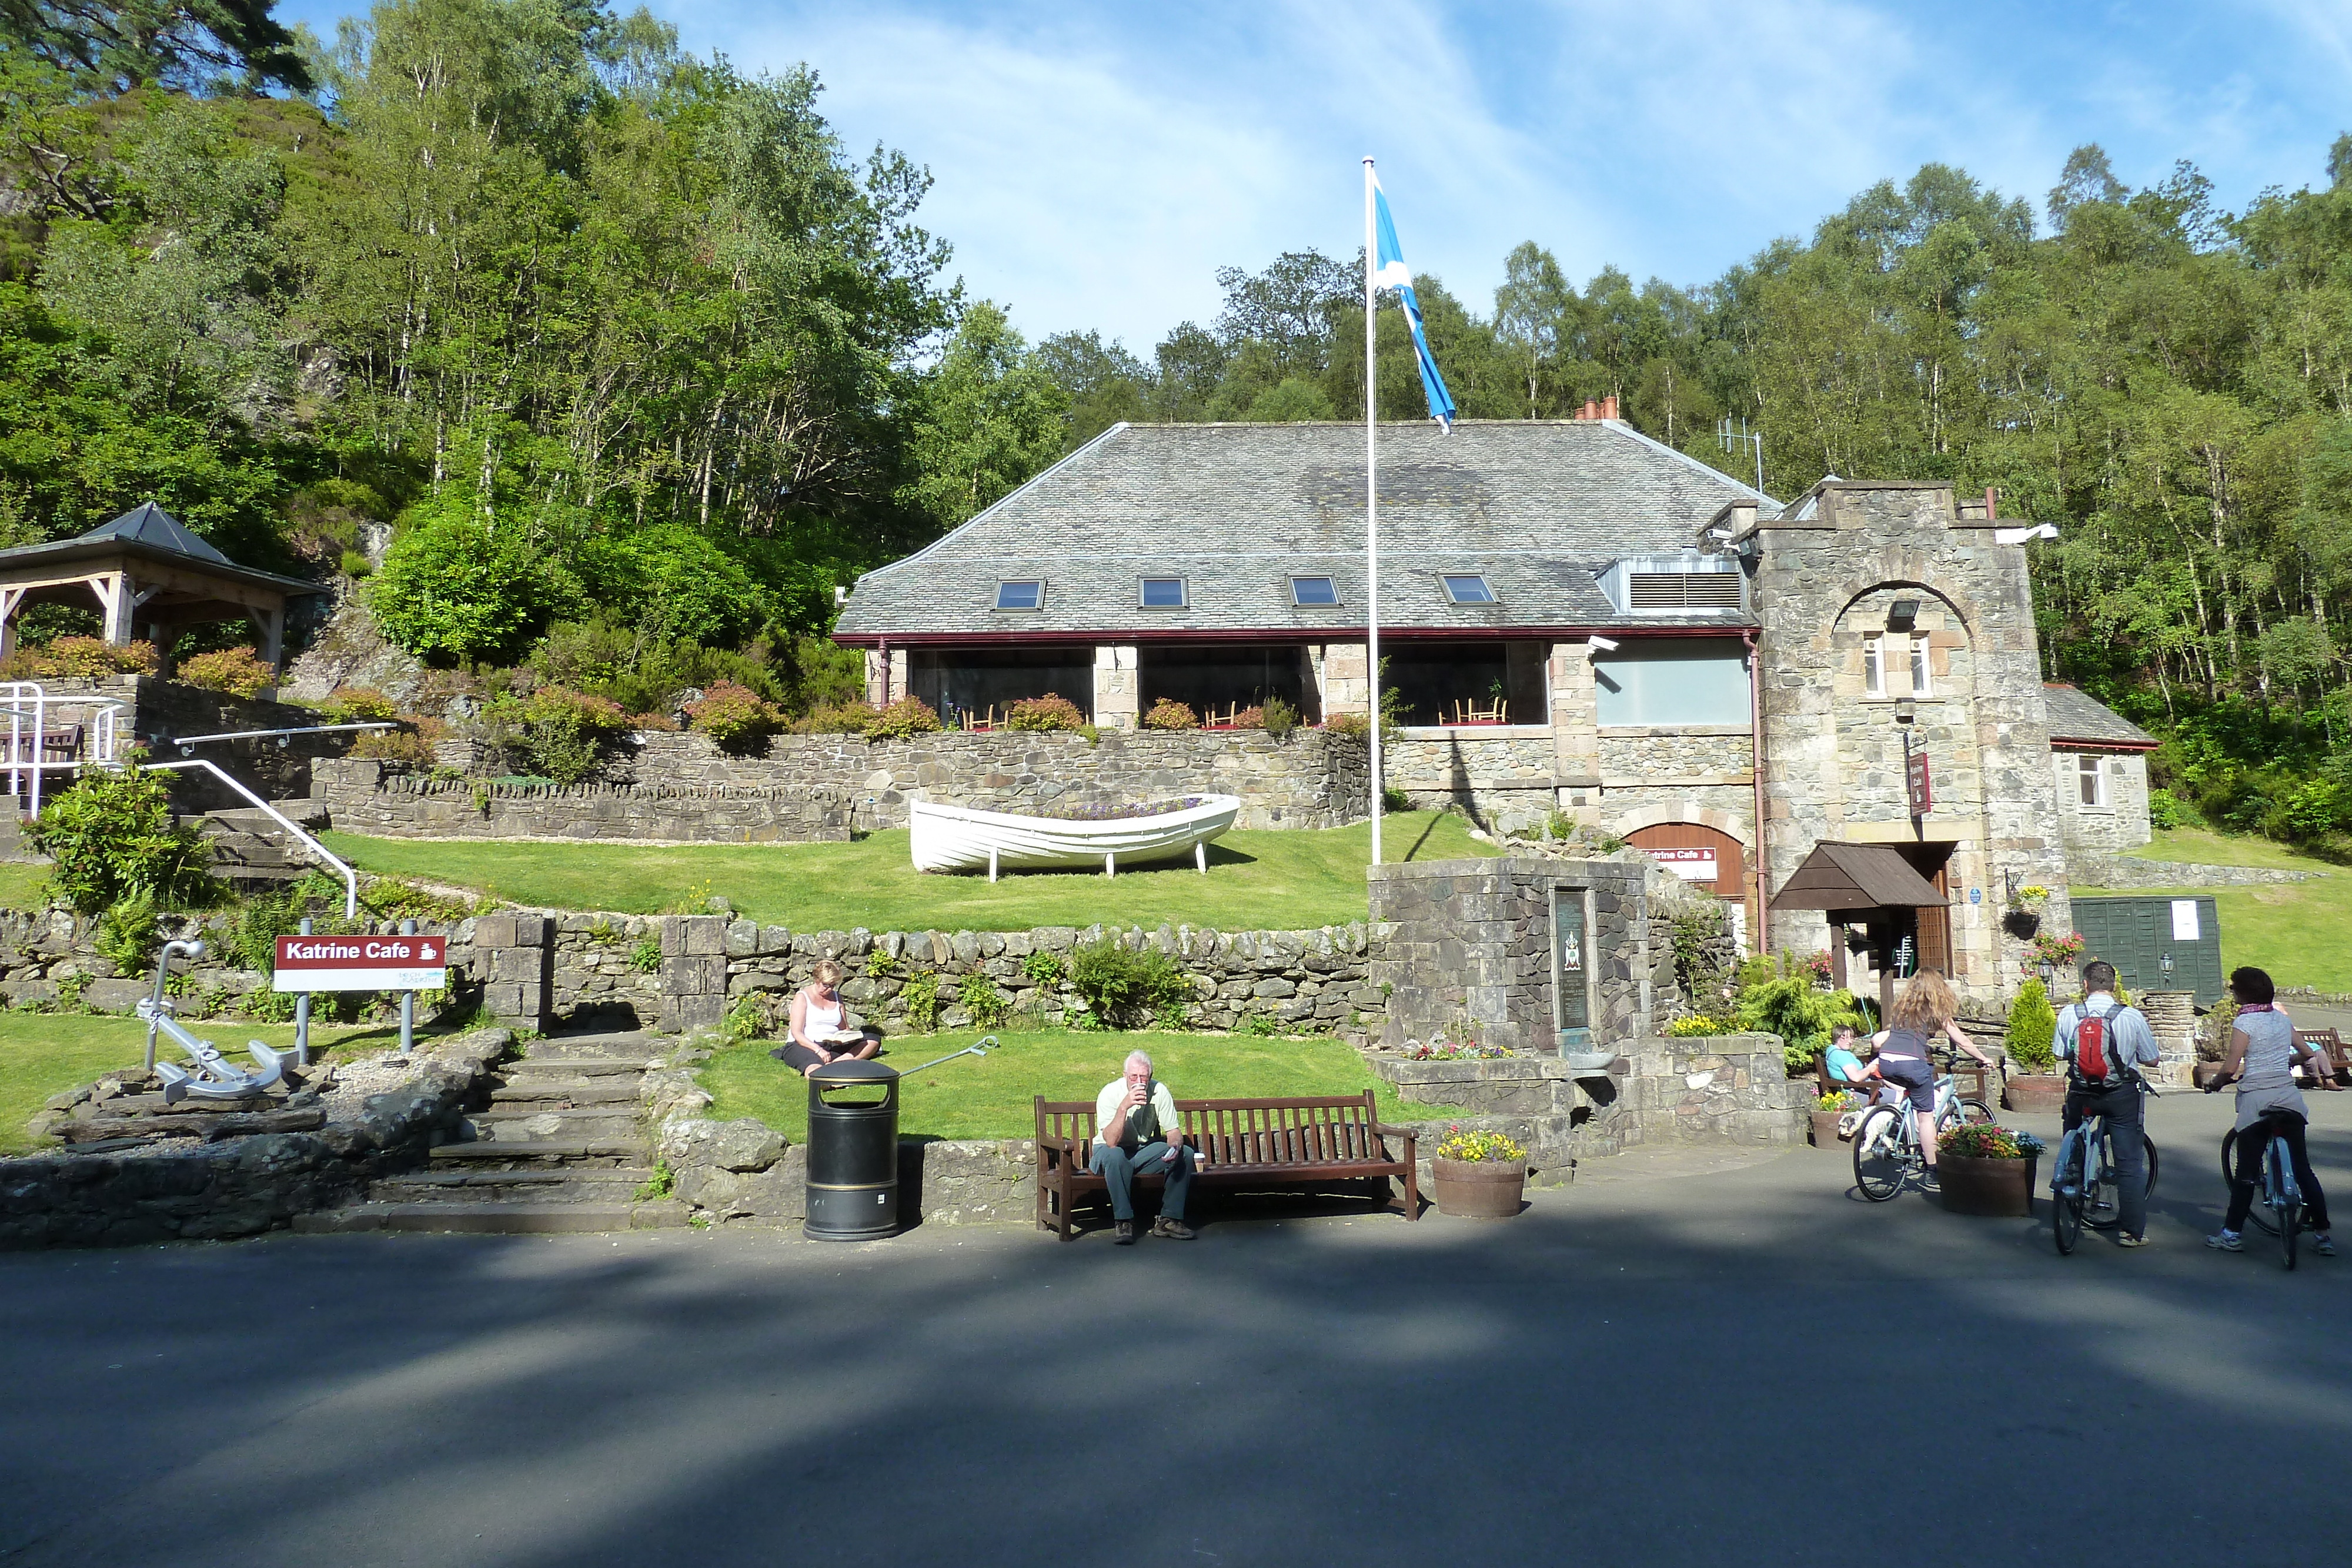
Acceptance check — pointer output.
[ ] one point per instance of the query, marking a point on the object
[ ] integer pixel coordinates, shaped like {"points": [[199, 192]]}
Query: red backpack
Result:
{"points": [[2094, 1051]]}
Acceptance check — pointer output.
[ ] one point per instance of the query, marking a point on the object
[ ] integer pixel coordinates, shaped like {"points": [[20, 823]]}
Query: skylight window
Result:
{"points": [[1467, 588], [1026, 594], [1308, 591], [1163, 593]]}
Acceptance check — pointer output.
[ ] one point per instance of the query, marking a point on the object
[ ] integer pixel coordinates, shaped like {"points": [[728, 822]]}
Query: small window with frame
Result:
{"points": [[2091, 782], [1922, 682], [1467, 588], [1873, 665], [1313, 592], [1021, 594], [1163, 593]]}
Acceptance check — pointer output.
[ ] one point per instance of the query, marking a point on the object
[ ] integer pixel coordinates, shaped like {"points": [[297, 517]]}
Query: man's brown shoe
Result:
{"points": [[1126, 1237], [1174, 1230]]}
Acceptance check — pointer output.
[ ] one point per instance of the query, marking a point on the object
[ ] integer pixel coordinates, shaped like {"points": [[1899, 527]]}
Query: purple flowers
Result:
{"points": [[1111, 813]]}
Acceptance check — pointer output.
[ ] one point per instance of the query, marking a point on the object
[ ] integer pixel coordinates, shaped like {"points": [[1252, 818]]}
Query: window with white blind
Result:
{"points": [[1920, 684], [1873, 665], [2091, 784]]}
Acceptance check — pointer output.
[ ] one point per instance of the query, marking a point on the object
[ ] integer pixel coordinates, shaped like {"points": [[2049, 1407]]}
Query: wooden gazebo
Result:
{"points": [[1874, 886], [151, 577]]}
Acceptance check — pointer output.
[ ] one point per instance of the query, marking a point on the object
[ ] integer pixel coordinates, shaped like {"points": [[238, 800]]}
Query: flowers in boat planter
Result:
{"points": [[1112, 812]]}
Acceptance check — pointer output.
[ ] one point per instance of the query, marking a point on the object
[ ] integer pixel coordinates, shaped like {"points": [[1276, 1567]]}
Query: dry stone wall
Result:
{"points": [[389, 801]]}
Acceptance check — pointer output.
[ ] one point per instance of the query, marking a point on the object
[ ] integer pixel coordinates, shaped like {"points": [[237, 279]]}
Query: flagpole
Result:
{"points": [[1371, 515]]}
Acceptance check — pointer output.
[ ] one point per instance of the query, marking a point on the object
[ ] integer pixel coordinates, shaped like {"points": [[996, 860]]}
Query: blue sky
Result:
{"points": [[1095, 163]]}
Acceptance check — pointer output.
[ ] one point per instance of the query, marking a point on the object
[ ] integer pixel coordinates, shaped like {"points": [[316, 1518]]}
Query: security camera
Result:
{"points": [[1604, 645]]}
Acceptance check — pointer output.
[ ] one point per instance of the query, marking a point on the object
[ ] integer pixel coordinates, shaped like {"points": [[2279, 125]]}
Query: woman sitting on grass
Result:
{"points": [[820, 1031]]}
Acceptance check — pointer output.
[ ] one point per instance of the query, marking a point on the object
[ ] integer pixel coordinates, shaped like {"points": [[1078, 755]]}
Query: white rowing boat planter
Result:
{"points": [[957, 837], [362, 963]]}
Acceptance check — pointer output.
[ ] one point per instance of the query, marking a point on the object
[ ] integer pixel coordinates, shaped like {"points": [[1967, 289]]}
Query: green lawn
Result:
{"points": [[1267, 880], [989, 1096], [2194, 846], [43, 1054], [20, 884]]}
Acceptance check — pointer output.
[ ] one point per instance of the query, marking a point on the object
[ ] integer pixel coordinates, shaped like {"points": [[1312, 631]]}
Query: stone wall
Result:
{"points": [[1472, 941], [2092, 869], [2123, 823], [1649, 757], [151, 712], [242, 1187], [388, 801], [1316, 980], [818, 787]]}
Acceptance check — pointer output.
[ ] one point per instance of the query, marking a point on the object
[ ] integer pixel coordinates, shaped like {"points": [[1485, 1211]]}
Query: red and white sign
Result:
{"points": [[362, 963], [1690, 864]]}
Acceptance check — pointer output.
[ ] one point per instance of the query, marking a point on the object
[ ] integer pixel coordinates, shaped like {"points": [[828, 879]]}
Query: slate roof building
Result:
{"points": [[1576, 618]]}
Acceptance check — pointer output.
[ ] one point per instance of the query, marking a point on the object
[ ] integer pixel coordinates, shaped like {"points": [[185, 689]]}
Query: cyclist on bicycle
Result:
{"points": [[1926, 1009], [2264, 1055], [2114, 1093]]}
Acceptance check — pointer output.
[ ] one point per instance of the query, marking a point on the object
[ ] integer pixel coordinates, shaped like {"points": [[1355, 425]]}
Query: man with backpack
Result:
{"points": [[2104, 1043]]}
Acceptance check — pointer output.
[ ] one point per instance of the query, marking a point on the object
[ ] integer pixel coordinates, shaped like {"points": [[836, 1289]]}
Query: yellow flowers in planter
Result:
{"points": [[1481, 1148]]}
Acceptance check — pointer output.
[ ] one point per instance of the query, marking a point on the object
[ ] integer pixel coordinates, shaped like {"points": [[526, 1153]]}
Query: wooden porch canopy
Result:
{"points": [[1855, 879], [148, 575]]}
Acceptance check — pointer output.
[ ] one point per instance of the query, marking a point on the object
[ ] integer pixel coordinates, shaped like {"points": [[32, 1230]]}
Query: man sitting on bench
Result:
{"points": [[1137, 1133]]}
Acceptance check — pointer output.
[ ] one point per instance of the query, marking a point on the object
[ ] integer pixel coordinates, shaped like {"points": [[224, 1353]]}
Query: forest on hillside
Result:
{"points": [[637, 362]]}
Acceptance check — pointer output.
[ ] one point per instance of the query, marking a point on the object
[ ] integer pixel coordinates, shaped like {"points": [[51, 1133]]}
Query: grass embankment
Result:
{"points": [[1266, 880], [43, 1054], [989, 1096], [20, 884], [2301, 932]]}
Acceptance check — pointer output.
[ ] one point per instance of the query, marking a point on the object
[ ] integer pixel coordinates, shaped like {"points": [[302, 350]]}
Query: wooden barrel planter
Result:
{"points": [[1478, 1189], [2000, 1188], [1825, 1128], [2035, 1091]]}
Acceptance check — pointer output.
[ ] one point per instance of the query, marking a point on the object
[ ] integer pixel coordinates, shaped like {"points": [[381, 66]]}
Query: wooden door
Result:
{"points": [[1685, 847], [1934, 930]]}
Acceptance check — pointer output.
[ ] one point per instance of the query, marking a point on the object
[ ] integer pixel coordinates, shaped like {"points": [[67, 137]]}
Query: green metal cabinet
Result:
{"points": [[2137, 934]]}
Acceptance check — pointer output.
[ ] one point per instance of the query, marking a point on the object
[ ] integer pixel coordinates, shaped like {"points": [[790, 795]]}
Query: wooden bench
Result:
{"points": [[1236, 1143], [2330, 1046]]}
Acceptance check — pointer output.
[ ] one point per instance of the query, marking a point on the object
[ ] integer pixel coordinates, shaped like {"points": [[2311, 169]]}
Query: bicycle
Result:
{"points": [[2075, 1201], [1886, 1150], [2278, 1193]]}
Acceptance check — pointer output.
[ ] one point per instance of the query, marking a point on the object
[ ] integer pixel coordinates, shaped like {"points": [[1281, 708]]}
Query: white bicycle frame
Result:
{"points": [[1947, 1100]]}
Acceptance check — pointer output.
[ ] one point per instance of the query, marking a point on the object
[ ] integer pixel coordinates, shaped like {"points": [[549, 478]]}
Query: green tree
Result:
{"points": [[984, 421]]}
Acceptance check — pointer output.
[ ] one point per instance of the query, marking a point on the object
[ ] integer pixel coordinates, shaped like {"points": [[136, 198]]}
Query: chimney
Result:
{"points": [[1609, 406], [1591, 410]]}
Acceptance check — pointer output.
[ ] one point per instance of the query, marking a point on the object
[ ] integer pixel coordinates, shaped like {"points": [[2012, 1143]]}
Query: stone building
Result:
{"points": [[1575, 620], [2101, 761]]}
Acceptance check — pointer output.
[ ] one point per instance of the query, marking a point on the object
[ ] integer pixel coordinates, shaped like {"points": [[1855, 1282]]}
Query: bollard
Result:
{"points": [[302, 1016]]}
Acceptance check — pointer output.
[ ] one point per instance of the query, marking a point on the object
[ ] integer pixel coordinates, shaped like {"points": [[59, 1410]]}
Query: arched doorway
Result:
{"points": [[1704, 857]]}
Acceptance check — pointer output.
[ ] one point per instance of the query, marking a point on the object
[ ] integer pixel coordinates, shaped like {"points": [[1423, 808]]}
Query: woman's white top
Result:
{"points": [[2266, 1080], [824, 1020]]}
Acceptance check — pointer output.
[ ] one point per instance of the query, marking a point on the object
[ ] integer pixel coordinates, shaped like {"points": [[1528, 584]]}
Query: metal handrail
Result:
{"points": [[351, 877], [185, 741]]}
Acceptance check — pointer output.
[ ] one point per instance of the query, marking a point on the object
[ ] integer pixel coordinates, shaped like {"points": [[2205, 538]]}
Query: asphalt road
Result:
{"points": [[1678, 1359]]}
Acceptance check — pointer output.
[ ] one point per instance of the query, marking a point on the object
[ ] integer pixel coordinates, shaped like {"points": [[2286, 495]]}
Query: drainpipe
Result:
{"points": [[1756, 782]]}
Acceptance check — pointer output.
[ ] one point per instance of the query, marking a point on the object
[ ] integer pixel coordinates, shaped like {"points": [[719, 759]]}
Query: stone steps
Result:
{"points": [[557, 1148]]}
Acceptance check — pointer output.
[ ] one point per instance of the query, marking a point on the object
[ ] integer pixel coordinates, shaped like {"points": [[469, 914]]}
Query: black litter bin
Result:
{"points": [[853, 1152]]}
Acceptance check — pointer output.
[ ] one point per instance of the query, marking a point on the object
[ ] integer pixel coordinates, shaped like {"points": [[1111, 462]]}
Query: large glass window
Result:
{"points": [[1673, 681], [1213, 679], [981, 681], [1465, 683]]}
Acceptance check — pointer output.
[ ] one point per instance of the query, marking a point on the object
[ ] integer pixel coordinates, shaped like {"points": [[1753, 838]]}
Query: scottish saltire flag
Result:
{"points": [[1391, 272]]}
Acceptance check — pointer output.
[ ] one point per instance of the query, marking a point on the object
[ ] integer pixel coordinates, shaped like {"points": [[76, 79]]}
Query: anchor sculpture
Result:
{"points": [[208, 1075]]}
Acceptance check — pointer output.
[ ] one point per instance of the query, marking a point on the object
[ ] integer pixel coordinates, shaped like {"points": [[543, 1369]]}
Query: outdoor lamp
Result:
{"points": [[1901, 614], [1905, 710]]}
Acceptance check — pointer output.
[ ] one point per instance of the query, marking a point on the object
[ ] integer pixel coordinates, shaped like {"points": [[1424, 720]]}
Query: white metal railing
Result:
{"points": [[351, 878], [26, 763], [188, 742]]}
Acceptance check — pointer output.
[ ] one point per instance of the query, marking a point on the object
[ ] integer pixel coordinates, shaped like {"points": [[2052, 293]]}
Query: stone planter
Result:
{"points": [[2001, 1188], [1825, 1128], [2032, 1093], [1478, 1189]]}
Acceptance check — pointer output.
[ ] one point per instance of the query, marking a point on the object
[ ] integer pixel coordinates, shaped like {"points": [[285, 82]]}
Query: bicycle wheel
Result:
{"points": [[2261, 1213], [1974, 1113], [2147, 1146], [1878, 1161], [2290, 1214], [2065, 1197], [2102, 1208]]}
